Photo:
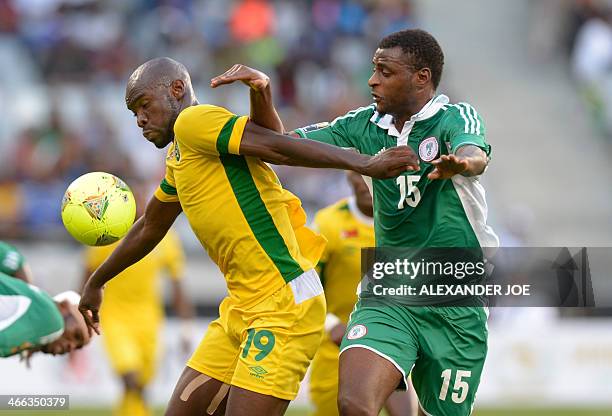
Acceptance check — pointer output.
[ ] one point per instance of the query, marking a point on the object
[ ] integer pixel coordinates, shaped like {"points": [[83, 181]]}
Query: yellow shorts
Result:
{"points": [[131, 348], [268, 347], [324, 379]]}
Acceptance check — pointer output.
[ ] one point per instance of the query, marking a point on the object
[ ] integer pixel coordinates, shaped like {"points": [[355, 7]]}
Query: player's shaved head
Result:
{"points": [[156, 92], [157, 72]]}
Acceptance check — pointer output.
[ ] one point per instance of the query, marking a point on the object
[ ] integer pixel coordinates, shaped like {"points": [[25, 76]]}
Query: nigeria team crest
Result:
{"points": [[428, 149], [356, 332]]}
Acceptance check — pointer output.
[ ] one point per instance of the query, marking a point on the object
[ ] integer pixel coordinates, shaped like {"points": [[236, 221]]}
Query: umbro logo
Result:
{"points": [[257, 371]]}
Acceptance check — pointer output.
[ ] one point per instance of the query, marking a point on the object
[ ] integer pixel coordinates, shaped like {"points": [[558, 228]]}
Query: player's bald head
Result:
{"points": [[157, 72], [156, 93]]}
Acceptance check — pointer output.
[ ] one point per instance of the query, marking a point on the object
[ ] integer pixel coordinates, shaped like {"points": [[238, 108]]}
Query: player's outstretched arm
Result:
{"points": [[469, 160], [284, 150], [262, 107], [144, 235]]}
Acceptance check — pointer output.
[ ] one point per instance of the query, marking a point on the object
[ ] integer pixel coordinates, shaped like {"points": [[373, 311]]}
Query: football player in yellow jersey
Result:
{"points": [[348, 226], [253, 357], [132, 315]]}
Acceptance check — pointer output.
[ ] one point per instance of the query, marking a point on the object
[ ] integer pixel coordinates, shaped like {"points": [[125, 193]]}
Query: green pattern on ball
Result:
{"points": [[98, 209]]}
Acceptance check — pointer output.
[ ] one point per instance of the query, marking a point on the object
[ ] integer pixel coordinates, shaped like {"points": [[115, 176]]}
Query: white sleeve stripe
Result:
{"points": [[471, 117], [477, 127], [475, 116], [457, 106], [352, 113]]}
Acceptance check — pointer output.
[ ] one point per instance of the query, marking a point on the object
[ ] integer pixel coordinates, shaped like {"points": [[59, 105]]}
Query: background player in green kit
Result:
{"points": [[13, 263], [30, 320], [440, 205]]}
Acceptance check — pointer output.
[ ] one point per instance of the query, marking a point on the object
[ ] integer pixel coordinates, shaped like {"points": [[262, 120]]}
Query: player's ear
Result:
{"points": [[423, 76], [177, 88]]}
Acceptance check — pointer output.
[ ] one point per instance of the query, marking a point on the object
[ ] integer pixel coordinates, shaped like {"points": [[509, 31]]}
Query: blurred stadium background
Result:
{"points": [[539, 72]]}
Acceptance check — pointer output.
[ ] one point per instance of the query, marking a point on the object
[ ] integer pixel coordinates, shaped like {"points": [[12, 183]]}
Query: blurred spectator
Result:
{"points": [[592, 65], [8, 17], [252, 20], [580, 12], [11, 206]]}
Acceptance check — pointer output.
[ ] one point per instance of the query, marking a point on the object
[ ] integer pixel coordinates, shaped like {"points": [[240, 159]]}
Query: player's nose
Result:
{"points": [[373, 80], [141, 119]]}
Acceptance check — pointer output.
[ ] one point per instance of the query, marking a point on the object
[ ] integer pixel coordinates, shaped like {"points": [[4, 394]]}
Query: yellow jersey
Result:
{"points": [[347, 230], [251, 227], [135, 292]]}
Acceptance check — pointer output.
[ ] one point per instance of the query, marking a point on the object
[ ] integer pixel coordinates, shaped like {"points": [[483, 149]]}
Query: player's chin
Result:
{"points": [[380, 107], [161, 142]]}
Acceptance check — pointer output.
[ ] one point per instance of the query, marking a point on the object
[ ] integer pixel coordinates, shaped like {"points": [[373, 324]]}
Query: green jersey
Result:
{"points": [[28, 317], [412, 210], [11, 259]]}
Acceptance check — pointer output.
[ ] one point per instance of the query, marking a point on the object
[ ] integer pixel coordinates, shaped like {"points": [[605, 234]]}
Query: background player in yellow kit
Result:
{"points": [[253, 357], [348, 226], [133, 313]]}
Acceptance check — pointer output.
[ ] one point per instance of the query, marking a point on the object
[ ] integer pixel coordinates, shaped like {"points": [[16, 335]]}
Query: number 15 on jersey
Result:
{"points": [[409, 193]]}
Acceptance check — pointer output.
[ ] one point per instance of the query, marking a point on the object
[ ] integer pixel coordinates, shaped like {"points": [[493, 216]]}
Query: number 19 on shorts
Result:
{"points": [[256, 338], [460, 387]]}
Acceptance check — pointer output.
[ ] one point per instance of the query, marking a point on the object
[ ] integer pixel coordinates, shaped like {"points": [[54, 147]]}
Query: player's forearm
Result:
{"points": [[284, 150], [263, 112], [138, 242], [310, 153], [476, 159]]}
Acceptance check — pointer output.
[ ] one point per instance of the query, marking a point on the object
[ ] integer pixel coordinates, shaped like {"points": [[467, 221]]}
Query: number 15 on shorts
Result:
{"points": [[460, 387]]}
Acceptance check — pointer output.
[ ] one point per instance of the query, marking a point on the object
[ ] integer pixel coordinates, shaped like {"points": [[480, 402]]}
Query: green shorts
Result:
{"points": [[442, 348]]}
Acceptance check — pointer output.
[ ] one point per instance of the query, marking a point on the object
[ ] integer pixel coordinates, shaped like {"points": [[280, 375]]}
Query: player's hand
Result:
{"points": [[89, 306], [337, 333], [255, 79], [392, 162], [447, 166]]}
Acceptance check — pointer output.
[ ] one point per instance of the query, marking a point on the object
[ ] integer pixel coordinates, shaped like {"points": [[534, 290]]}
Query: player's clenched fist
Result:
{"points": [[392, 162], [255, 79]]}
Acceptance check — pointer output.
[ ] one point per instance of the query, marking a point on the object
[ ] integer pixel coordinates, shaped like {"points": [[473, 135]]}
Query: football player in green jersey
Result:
{"points": [[440, 204], [30, 320]]}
